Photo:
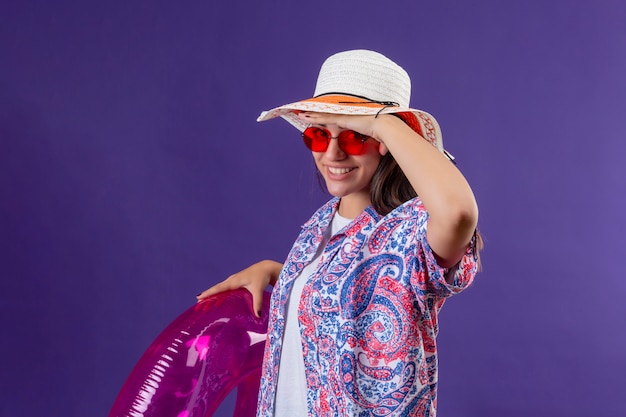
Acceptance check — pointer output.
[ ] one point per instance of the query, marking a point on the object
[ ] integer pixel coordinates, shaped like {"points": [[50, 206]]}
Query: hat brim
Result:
{"points": [[339, 104]]}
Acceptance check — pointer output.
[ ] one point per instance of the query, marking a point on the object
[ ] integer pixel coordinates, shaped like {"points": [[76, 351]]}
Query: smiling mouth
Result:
{"points": [[339, 171]]}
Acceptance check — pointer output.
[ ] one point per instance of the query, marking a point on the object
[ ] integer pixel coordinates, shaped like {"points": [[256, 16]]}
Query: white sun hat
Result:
{"points": [[361, 82]]}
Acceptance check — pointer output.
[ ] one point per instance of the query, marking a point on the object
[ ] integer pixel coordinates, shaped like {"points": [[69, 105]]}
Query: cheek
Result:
{"points": [[371, 171], [372, 159], [369, 168]]}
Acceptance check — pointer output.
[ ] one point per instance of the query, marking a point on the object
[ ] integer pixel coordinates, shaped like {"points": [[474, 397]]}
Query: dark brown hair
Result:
{"points": [[389, 187]]}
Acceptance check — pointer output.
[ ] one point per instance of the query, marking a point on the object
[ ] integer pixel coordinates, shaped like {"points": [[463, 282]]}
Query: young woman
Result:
{"points": [[353, 316]]}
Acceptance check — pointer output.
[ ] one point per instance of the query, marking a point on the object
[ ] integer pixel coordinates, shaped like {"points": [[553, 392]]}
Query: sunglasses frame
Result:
{"points": [[342, 138]]}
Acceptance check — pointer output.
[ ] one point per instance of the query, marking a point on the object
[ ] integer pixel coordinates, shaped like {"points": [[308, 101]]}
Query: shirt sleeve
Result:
{"points": [[433, 278]]}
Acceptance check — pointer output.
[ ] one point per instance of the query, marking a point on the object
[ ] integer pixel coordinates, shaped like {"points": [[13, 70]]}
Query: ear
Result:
{"points": [[382, 149]]}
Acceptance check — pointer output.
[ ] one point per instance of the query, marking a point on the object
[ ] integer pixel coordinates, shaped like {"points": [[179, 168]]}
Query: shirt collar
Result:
{"points": [[321, 219]]}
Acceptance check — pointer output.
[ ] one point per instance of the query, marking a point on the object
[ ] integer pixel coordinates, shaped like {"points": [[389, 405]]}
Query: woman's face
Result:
{"points": [[347, 175]]}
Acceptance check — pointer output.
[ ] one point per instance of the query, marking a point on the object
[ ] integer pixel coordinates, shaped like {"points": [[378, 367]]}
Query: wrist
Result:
{"points": [[387, 126]]}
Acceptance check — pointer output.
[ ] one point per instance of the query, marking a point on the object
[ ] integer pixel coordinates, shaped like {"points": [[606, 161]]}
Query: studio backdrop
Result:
{"points": [[133, 175]]}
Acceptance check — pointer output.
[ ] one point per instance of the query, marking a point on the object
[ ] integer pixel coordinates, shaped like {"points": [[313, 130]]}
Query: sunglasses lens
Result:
{"points": [[351, 142], [316, 139]]}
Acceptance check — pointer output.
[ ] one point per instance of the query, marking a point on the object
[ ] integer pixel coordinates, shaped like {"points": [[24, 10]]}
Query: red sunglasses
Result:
{"points": [[317, 139]]}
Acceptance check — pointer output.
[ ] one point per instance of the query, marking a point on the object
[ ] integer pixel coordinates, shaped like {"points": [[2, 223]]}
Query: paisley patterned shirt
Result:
{"points": [[368, 315]]}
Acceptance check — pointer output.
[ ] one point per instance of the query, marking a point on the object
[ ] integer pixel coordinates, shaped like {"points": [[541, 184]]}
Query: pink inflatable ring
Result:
{"points": [[190, 368]]}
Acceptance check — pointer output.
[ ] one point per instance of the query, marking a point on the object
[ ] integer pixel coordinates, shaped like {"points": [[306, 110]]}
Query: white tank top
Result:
{"points": [[291, 391]]}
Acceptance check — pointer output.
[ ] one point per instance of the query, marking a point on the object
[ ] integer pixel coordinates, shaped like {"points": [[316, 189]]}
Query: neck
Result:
{"points": [[352, 205]]}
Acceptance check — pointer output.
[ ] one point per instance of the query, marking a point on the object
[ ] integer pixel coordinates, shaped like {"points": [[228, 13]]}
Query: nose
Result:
{"points": [[334, 152]]}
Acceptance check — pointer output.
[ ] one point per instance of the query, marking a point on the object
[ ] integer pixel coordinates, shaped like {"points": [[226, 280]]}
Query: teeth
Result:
{"points": [[339, 171]]}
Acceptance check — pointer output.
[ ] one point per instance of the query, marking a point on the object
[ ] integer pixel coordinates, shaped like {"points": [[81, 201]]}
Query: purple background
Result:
{"points": [[133, 175]]}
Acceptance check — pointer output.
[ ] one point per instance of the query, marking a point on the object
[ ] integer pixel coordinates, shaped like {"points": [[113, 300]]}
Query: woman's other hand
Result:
{"points": [[255, 279]]}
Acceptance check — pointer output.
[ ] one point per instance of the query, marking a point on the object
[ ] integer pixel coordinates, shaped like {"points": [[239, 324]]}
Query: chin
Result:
{"points": [[339, 195], [337, 192]]}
